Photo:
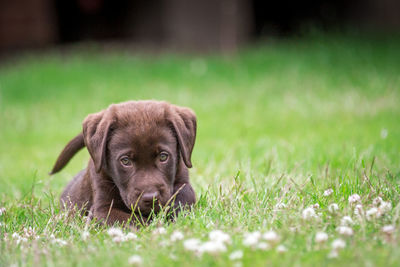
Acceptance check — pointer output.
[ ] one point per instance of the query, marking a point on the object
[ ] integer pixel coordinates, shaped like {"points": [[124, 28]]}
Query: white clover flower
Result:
{"points": [[315, 206], [280, 206], [113, 232], [160, 231], [251, 239], [236, 255], [384, 133], [192, 244], [321, 237], [281, 249], [135, 260], [345, 230], [118, 239], [212, 247], [2, 211], [15, 235], [263, 246], [358, 210], [346, 220], [333, 254], [371, 213], [58, 241], [271, 236], [85, 235], [177, 235], [354, 198], [328, 192], [388, 229], [338, 244], [333, 208], [21, 240], [309, 213], [384, 207], [377, 201], [130, 236], [219, 236]]}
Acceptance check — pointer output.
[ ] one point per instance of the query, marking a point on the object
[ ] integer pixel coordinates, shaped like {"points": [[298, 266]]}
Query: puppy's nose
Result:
{"points": [[150, 196]]}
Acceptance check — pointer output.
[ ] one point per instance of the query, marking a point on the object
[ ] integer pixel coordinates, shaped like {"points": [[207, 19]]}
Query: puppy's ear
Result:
{"points": [[184, 123], [96, 128]]}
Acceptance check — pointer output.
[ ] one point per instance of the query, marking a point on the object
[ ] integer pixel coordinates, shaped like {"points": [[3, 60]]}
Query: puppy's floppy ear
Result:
{"points": [[184, 123], [96, 128]]}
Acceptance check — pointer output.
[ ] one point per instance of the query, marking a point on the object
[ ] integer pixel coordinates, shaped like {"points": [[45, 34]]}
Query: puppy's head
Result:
{"points": [[139, 145]]}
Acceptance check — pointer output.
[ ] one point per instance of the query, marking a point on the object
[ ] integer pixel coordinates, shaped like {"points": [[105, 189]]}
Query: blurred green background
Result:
{"points": [[291, 105]]}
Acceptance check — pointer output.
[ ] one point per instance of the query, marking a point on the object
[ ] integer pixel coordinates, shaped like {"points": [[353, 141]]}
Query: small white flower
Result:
{"points": [[21, 240], [280, 206], [333, 254], [345, 230], [384, 133], [346, 220], [59, 242], [263, 246], [15, 235], [321, 237], [118, 239], [135, 260], [333, 208], [160, 231], [2, 211], [354, 198], [309, 213], [371, 213], [192, 244], [377, 201], [236, 255], [219, 236], [85, 235], [212, 247], [281, 249], [271, 236], [328, 192], [384, 207], [131, 236], [315, 206], [113, 232], [358, 210], [251, 239], [388, 229], [338, 244], [177, 235]]}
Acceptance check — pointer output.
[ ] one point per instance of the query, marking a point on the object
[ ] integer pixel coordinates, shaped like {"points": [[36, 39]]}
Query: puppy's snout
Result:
{"points": [[149, 197]]}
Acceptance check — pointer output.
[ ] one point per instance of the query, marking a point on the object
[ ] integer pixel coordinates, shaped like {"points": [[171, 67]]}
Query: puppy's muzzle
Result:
{"points": [[149, 198]]}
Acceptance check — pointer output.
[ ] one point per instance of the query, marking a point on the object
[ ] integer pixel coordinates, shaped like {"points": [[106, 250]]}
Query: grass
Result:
{"points": [[277, 123]]}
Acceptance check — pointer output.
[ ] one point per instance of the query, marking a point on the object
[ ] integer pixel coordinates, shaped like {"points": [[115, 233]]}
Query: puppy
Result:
{"points": [[140, 154]]}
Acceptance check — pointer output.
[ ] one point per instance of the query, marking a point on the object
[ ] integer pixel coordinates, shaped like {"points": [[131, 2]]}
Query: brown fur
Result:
{"points": [[137, 132]]}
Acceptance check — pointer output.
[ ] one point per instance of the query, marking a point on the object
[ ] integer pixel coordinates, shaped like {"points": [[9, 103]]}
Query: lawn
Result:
{"points": [[278, 125]]}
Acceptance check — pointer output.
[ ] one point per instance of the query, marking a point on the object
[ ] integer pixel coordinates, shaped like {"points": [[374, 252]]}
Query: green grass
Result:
{"points": [[279, 122]]}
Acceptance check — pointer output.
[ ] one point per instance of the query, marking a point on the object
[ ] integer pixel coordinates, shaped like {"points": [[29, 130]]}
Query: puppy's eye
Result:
{"points": [[125, 161], [163, 156]]}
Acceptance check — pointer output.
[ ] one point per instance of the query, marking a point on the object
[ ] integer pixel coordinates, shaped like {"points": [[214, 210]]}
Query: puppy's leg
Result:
{"points": [[77, 196], [108, 206], [111, 215], [185, 197]]}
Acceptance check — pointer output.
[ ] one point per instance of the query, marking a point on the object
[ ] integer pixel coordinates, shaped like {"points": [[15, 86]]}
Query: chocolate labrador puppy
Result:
{"points": [[140, 154]]}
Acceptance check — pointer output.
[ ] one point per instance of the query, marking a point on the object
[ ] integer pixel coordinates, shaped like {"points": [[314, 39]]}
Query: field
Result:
{"points": [[278, 125]]}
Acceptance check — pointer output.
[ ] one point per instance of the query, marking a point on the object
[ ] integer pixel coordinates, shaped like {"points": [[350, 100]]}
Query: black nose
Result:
{"points": [[149, 197]]}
